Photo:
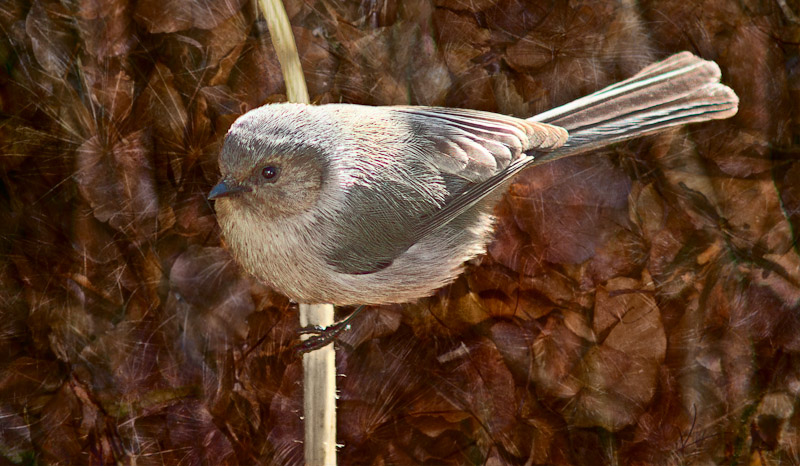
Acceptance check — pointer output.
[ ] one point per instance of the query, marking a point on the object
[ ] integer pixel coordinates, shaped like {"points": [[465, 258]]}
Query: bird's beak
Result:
{"points": [[224, 189]]}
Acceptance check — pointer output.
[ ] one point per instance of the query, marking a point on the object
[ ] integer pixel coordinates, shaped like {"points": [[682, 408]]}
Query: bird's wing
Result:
{"points": [[455, 160], [475, 145]]}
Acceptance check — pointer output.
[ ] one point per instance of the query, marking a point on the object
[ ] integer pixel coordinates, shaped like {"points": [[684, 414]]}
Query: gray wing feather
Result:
{"points": [[455, 159], [475, 145]]}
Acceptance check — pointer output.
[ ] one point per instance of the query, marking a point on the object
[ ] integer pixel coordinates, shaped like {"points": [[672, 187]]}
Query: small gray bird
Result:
{"points": [[350, 204]]}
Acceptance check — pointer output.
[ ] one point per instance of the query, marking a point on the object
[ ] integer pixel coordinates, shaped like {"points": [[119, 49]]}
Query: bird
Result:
{"points": [[368, 205]]}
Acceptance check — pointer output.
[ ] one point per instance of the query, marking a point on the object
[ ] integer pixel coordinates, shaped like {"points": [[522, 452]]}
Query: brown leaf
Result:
{"points": [[25, 380], [479, 382], [503, 295], [318, 62], [286, 406], [752, 209], [790, 193], [468, 5], [764, 316], [374, 83], [509, 100], [472, 89], [781, 273], [184, 422], [373, 323], [114, 90], [721, 372], [559, 289], [737, 152], [194, 216], [457, 305], [458, 54], [530, 53], [106, 27], [623, 253], [164, 105], [117, 181], [18, 142], [168, 120], [15, 435], [556, 352], [511, 245], [646, 209], [561, 30], [225, 38], [177, 15], [354, 422], [461, 58], [577, 323], [14, 327], [12, 12], [256, 77], [206, 285], [512, 19], [614, 388], [514, 343], [628, 308], [221, 101], [565, 208], [60, 440], [763, 92], [52, 38], [430, 79], [772, 415], [452, 27]]}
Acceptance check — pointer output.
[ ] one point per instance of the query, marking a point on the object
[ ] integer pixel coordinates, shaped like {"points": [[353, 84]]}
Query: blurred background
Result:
{"points": [[639, 304]]}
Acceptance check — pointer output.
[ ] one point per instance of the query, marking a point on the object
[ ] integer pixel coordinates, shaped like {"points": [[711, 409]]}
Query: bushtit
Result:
{"points": [[349, 204]]}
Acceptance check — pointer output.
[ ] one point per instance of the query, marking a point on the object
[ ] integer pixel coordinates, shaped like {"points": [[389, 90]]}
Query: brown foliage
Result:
{"points": [[638, 305]]}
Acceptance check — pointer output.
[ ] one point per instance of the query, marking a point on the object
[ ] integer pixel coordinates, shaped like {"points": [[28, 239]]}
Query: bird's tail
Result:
{"points": [[678, 90]]}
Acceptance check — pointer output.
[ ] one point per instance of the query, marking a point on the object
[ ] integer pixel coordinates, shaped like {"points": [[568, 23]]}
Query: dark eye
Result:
{"points": [[269, 173]]}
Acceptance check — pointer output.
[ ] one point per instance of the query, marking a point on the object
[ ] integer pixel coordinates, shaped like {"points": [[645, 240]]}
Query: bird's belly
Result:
{"points": [[289, 258]]}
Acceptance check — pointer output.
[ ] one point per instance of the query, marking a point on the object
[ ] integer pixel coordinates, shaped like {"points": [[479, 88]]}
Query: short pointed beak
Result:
{"points": [[224, 189]]}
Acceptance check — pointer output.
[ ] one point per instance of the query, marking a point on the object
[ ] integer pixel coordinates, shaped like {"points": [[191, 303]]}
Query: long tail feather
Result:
{"points": [[678, 90]]}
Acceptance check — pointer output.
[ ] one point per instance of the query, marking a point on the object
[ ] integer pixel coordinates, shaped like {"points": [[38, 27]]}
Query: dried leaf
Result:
{"points": [[117, 181], [106, 27], [178, 15], [511, 245], [257, 75], [318, 62], [51, 35], [373, 323], [752, 209], [772, 415], [206, 285], [468, 5], [556, 353], [114, 90], [623, 254], [565, 209], [480, 384], [514, 343], [225, 38], [614, 389], [164, 105], [15, 436], [628, 308]]}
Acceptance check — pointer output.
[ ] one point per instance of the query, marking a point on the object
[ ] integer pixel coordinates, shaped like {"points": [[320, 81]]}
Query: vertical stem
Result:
{"points": [[280, 30], [319, 391], [319, 366]]}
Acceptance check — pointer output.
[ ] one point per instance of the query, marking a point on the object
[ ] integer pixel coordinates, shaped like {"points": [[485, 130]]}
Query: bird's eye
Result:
{"points": [[269, 173]]}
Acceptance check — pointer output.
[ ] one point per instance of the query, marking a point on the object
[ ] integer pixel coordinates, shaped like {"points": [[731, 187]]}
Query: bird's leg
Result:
{"points": [[324, 335]]}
